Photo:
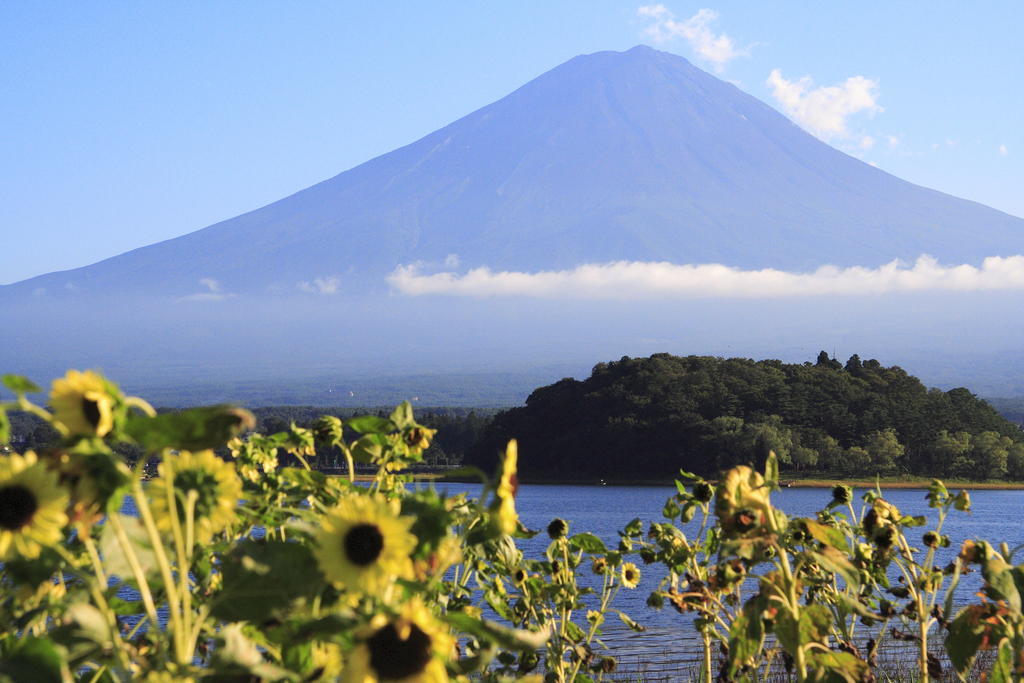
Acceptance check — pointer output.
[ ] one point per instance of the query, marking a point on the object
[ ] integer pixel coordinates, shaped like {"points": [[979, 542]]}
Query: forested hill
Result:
{"points": [[643, 418]]}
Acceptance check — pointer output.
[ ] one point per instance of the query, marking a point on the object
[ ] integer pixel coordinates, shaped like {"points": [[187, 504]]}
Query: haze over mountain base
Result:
{"points": [[301, 351]]}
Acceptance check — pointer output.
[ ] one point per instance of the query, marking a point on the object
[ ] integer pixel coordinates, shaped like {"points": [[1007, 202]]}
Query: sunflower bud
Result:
{"points": [[328, 429], [931, 539], [970, 552], [558, 528], [842, 494], [702, 492]]}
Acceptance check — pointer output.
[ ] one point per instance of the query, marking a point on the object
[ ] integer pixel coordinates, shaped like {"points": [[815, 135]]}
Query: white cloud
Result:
{"points": [[632, 279], [321, 285], [717, 48], [893, 140], [824, 111], [1003, 151], [451, 261], [212, 285], [214, 292], [867, 142]]}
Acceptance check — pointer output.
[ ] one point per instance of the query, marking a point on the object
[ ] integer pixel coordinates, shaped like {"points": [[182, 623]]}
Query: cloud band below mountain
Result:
{"points": [[632, 279]]}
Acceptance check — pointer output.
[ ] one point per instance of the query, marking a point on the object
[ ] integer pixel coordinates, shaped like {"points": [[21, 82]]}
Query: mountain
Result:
{"points": [[637, 155]]}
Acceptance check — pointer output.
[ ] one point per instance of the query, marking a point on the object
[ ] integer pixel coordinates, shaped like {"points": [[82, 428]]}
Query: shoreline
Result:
{"points": [[922, 483], [919, 483]]}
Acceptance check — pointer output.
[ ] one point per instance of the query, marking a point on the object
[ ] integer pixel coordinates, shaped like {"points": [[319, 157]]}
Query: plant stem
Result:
{"points": [[133, 561], [174, 615]]}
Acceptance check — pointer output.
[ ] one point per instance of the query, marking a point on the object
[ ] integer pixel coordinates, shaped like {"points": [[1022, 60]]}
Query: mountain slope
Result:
{"points": [[636, 155]]}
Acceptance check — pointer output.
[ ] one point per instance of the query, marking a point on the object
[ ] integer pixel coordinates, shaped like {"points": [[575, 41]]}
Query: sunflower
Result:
{"points": [[83, 402], [418, 438], [32, 506], [742, 503], [215, 483], [326, 662], [504, 505], [630, 575], [364, 544], [519, 576], [409, 648]]}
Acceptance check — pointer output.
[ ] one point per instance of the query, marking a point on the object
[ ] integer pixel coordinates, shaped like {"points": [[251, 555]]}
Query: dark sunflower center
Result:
{"points": [[363, 544], [630, 575], [17, 506], [91, 410], [393, 658], [204, 484]]}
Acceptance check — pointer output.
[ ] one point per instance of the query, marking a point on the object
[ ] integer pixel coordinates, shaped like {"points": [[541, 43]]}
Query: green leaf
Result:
{"points": [[509, 638], [574, 632], [628, 621], [34, 659], [634, 528], [82, 633], [829, 535], [498, 604], [371, 424], [815, 621], [837, 562], [832, 666], [401, 417], [588, 543], [746, 636], [852, 606], [919, 520], [20, 385], [5, 427], [261, 577], [238, 655], [116, 560], [195, 429], [966, 633], [1002, 667], [368, 448], [1000, 582]]}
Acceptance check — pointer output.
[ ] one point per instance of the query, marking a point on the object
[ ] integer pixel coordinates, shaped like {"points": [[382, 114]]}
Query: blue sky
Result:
{"points": [[122, 124]]}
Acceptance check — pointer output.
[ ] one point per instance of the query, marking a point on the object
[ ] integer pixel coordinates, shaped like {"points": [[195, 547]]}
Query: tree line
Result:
{"points": [[647, 418], [642, 418]]}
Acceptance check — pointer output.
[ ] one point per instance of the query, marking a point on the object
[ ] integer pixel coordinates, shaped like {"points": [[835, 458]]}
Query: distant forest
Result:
{"points": [[647, 418]]}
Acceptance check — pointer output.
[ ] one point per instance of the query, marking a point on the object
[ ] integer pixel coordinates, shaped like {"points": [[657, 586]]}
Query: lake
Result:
{"points": [[670, 644]]}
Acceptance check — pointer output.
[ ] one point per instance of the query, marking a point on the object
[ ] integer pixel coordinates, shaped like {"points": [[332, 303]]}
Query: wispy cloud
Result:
{"points": [[825, 110], [321, 285], [716, 48], [1003, 151], [632, 279], [214, 292]]}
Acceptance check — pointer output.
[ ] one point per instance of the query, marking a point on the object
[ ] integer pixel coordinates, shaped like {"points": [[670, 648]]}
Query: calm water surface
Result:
{"points": [[670, 639], [670, 643]]}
